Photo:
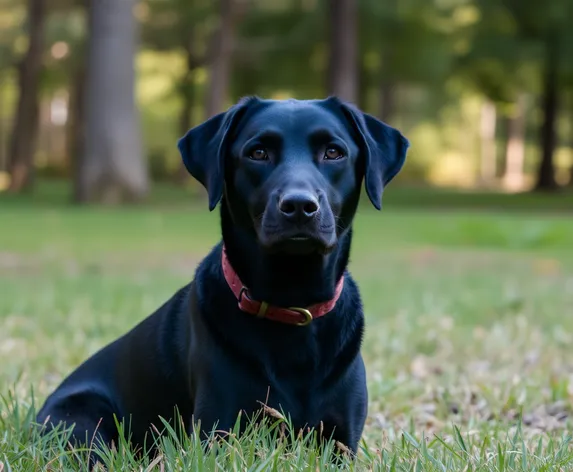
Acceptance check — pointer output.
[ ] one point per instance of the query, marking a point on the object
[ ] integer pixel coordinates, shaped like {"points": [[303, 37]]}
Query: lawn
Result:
{"points": [[469, 305]]}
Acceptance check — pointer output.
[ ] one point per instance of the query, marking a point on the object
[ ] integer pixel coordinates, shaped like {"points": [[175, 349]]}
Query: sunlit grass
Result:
{"points": [[469, 328], [274, 445]]}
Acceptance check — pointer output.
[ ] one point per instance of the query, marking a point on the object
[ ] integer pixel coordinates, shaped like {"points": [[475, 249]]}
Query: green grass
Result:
{"points": [[469, 327]]}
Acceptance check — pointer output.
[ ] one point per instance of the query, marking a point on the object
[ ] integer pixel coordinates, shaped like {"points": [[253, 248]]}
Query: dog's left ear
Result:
{"points": [[385, 151], [203, 150]]}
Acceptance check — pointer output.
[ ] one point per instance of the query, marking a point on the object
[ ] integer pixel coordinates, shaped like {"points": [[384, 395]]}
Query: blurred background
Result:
{"points": [[94, 94], [466, 275]]}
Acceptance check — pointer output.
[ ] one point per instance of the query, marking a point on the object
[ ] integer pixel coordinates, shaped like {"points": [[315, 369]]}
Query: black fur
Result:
{"points": [[198, 352]]}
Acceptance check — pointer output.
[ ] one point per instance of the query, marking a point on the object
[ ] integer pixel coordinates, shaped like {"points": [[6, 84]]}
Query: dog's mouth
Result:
{"points": [[279, 234], [299, 238], [297, 243]]}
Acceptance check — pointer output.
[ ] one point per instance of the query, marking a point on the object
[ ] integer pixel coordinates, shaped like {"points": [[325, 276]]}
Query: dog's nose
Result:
{"points": [[298, 206]]}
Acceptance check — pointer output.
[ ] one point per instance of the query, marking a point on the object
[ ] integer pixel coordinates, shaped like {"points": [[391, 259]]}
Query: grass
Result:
{"points": [[469, 327]]}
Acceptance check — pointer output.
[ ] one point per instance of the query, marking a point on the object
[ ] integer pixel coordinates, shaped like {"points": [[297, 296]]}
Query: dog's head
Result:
{"points": [[291, 171]]}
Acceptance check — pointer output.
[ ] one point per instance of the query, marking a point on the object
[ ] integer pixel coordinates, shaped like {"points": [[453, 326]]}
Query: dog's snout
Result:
{"points": [[299, 206]]}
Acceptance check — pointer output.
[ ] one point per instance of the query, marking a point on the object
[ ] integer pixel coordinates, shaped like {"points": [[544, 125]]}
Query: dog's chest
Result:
{"points": [[303, 408], [298, 394]]}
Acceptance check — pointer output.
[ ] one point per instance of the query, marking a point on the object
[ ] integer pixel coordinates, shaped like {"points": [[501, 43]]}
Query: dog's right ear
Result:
{"points": [[384, 148], [203, 149]]}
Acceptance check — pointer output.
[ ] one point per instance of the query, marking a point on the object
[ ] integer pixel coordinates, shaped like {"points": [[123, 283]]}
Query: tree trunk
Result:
{"points": [[488, 162], [76, 129], [342, 71], [550, 102], [513, 178], [570, 116], [3, 162], [387, 100], [25, 132], [112, 168], [363, 87], [570, 183], [220, 55], [187, 92]]}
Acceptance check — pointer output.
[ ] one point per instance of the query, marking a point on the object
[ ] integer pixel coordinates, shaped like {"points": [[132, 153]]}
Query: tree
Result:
{"points": [[111, 168], [503, 67], [488, 148], [401, 46], [187, 92], [65, 69], [25, 131], [570, 183], [549, 27], [342, 73], [550, 105], [515, 149], [206, 36], [267, 55], [177, 25], [219, 57], [76, 129]]}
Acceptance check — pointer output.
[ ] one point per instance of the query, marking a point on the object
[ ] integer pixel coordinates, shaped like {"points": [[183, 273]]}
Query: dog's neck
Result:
{"points": [[283, 279]]}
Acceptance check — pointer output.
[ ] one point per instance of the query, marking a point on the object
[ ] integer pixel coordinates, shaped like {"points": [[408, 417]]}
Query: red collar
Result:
{"points": [[291, 315]]}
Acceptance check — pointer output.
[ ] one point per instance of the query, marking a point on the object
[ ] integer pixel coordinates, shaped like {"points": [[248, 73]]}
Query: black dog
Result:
{"points": [[272, 314]]}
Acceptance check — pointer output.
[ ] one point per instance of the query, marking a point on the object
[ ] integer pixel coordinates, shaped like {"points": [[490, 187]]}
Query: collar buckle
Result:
{"points": [[304, 312]]}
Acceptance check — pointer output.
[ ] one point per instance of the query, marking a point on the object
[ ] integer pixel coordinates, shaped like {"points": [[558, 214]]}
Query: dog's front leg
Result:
{"points": [[346, 417], [223, 390], [215, 414]]}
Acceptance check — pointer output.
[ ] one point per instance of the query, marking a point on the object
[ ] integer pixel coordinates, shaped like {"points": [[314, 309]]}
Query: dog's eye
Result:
{"points": [[259, 154], [333, 153]]}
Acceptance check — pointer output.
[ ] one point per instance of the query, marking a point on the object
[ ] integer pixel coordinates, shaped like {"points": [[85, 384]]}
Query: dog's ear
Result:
{"points": [[203, 149], [385, 151]]}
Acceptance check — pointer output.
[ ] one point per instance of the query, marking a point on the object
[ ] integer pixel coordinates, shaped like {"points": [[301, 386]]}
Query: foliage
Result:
{"points": [[12, 37], [439, 58]]}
